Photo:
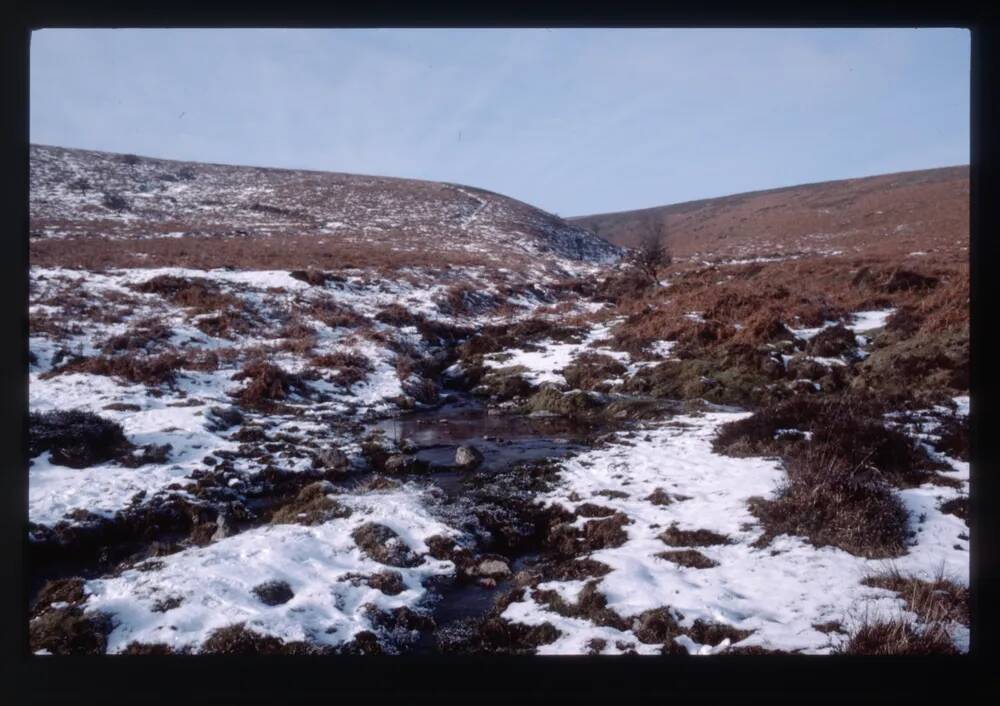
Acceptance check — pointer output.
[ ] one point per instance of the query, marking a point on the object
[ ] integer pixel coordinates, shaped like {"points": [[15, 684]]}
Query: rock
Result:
{"points": [[487, 583], [493, 568], [398, 463], [223, 528], [333, 459], [574, 403], [804, 368], [222, 418], [468, 457], [274, 592]]}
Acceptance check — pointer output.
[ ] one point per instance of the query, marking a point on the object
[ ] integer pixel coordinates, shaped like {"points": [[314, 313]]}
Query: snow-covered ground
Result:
{"points": [[178, 414], [546, 363], [779, 592], [212, 586]]}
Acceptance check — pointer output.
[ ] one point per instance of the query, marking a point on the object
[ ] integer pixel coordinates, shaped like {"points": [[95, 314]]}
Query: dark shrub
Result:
{"points": [[150, 370], [312, 506], [69, 631], [832, 341], [274, 593], [831, 502], [953, 437], [268, 384], [959, 507], [82, 185], [384, 546], [316, 278], [59, 591], [156, 648], [115, 202], [933, 601], [908, 281], [851, 429], [898, 637], [351, 367], [238, 640], [462, 299], [689, 558], [905, 321], [397, 315], [676, 537], [196, 293], [589, 371], [75, 438], [142, 336], [714, 633]]}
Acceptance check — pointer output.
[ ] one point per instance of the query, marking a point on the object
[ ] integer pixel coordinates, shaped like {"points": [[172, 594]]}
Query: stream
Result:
{"points": [[505, 441]]}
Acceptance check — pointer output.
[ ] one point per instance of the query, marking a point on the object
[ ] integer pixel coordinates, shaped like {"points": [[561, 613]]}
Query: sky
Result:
{"points": [[575, 121]]}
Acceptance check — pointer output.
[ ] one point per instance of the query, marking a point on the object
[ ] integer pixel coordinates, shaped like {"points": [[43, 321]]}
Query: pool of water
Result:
{"points": [[503, 440]]}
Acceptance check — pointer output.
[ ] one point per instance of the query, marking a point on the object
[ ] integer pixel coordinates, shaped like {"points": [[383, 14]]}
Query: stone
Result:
{"points": [[398, 463], [493, 568], [468, 457], [332, 458], [223, 528], [222, 418]]}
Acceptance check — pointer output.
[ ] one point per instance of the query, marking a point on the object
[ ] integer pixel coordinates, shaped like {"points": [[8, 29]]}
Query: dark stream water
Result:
{"points": [[504, 441]]}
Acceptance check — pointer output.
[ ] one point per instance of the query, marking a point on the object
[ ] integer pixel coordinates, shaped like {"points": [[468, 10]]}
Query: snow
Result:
{"points": [[545, 365], [104, 488], [215, 582], [661, 348], [869, 320], [107, 488], [861, 322], [779, 592]]}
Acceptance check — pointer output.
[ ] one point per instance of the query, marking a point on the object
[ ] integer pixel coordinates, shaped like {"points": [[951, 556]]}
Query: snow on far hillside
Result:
{"points": [[81, 193]]}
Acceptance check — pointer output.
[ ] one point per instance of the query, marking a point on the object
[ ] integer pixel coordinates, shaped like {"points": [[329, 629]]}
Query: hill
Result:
{"points": [[303, 217], [892, 215]]}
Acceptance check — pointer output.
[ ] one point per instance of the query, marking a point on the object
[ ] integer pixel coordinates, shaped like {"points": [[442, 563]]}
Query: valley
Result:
{"points": [[289, 412]]}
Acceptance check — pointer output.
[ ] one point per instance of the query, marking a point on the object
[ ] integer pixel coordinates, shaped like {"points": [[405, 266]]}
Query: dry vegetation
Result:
{"points": [[840, 482], [894, 214], [730, 323], [274, 252]]}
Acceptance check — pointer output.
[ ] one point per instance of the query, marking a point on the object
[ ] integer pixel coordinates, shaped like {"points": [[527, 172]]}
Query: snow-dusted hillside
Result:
{"points": [[80, 193]]}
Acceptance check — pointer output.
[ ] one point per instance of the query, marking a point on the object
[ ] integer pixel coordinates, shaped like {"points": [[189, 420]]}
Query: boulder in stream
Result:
{"points": [[468, 457]]}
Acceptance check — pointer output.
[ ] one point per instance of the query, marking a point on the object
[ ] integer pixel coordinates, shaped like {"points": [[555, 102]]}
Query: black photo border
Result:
{"points": [[408, 679]]}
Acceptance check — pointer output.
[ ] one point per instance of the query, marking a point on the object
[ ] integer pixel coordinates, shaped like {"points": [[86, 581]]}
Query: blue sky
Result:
{"points": [[575, 121]]}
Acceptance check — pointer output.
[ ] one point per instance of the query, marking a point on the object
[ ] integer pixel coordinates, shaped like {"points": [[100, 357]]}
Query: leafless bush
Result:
{"points": [[115, 202], [651, 254]]}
